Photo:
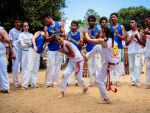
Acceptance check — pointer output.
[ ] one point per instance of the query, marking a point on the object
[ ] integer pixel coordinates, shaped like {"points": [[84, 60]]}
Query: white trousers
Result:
{"points": [[31, 72], [16, 65], [115, 72], [135, 67], [54, 61], [78, 74], [94, 63], [147, 59], [24, 60], [122, 69], [4, 80]]}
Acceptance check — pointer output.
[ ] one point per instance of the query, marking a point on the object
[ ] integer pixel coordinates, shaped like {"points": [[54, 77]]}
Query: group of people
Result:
{"points": [[104, 53]]}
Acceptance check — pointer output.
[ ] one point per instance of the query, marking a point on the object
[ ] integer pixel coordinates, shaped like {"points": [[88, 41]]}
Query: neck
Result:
{"points": [[134, 29]]}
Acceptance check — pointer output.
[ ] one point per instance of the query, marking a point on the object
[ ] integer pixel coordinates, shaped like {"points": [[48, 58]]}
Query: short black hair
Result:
{"points": [[91, 17], [135, 19], [103, 18], [147, 16], [116, 14], [47, 15], [74, 22], [15, 19]]}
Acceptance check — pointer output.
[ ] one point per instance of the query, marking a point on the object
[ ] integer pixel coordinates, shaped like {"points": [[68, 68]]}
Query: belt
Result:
{"points": [[108, 84], [78, 66]]}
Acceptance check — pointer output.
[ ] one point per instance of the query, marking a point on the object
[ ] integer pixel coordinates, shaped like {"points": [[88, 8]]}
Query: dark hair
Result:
{"points": [[74, 22], [116, 14], [109, 33], [15, 19], [147, 16], [92, 17], [136, 20], [103, 18], [53, 36], [47, 15]]}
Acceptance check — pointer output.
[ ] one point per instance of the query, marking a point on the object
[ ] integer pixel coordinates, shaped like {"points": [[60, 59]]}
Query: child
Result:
{"points": [[32, 69], [106, 50], [75, 63]]}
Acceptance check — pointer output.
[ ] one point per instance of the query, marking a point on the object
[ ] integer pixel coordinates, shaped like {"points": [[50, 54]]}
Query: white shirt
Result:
{"points": [[134, 46], [78, 57], [2, 45], [111, 54], [14, 35], [25, 39]]}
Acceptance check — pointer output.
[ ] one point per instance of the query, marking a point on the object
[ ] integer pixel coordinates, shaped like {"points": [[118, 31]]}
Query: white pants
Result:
{"points": [[54, 61], [94, 63], [72, 79], [122, 69], [135, 67], [24, 60], [79, 72], [15, 65], [115, 72], [4, 80], [31, 72], [148, 70]]}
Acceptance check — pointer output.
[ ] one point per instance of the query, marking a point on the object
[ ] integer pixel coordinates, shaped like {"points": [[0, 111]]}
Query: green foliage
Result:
{"points": [[31, 11], [91, 12], [82, 23], [125, 14]]}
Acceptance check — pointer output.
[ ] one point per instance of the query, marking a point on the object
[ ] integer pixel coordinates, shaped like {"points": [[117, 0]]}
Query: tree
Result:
{"points": [[91, 12], [125, 14], [31, 11]]}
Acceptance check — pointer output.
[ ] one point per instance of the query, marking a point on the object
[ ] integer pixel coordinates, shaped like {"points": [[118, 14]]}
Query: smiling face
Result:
{"points": [[114, 19], [59, 40], [48, 20]]}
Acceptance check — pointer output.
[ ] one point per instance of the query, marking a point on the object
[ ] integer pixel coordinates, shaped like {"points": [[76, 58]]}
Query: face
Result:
{"points": [[133, 24], [114, 19], [74, 27], [59, 40], [48, 20], [103, 23], [91, 22], [17, 24], [25, 27], [147, 22]]}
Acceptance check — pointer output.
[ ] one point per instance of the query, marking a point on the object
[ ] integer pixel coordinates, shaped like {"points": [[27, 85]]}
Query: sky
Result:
{"points": [[76, 9]]}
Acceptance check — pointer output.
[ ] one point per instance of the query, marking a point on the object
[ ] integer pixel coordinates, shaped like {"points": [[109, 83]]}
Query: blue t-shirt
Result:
{"points": [[74, 39], [53, 46], [116, 38], [93, 33], [39, 43]]}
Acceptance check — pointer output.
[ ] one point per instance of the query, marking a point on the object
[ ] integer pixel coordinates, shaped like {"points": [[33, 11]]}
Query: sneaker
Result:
{"points": [[17, 86], [5, 91], [105, 101], [85, 90], [138, 85]]}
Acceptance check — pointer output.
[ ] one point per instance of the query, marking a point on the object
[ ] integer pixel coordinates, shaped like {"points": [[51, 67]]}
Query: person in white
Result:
{"points": [[75, 63], [25, 39], [146, 38], [4, 41], [106, 51], [134, 53], [32, 68], [14, 35]]}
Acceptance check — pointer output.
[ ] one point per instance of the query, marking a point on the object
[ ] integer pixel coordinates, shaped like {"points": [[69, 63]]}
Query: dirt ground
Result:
{"points": [[128, 99]]}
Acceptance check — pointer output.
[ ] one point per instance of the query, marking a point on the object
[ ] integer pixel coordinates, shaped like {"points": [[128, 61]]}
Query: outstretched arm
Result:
{"points": [[95, 41]]}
